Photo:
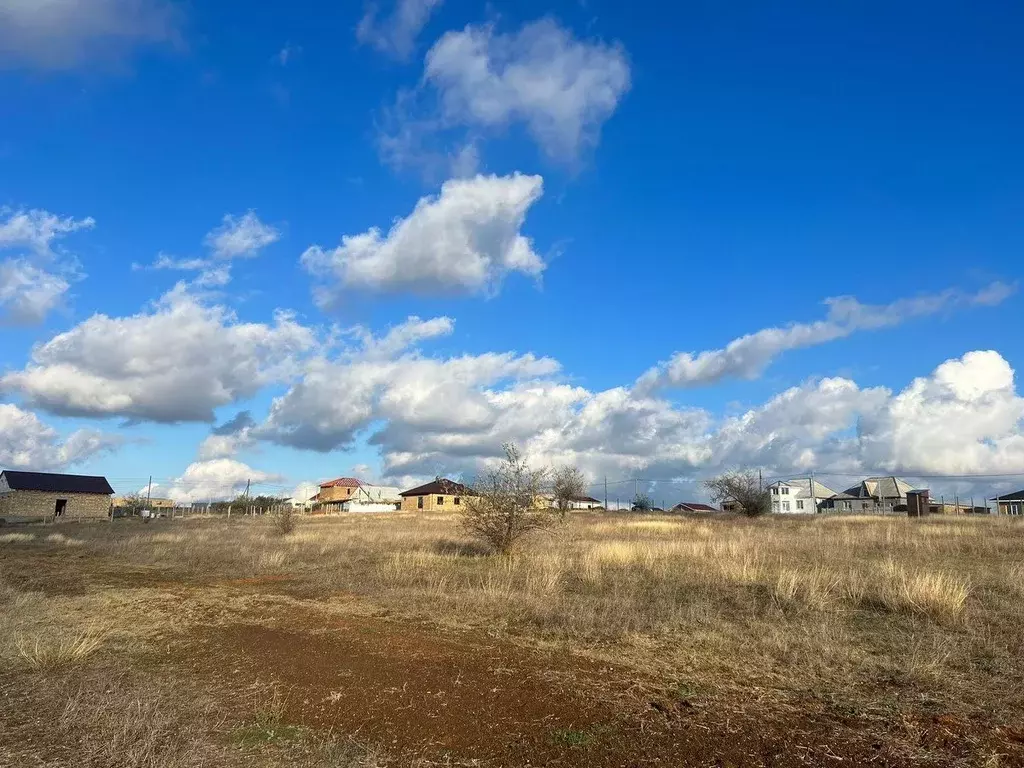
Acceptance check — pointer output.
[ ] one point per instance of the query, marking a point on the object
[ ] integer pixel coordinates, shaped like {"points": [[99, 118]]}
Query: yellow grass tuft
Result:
{"points": [[58, 649], [934, 594]]}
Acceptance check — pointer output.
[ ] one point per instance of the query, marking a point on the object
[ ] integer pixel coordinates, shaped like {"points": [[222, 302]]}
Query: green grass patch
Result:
{"points": [[569, 737]]}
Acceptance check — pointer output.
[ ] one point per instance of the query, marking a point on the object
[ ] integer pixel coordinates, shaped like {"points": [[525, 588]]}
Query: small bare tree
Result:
{"points": [[133, 503], [505, 507], [741, 489], [569, 486]]}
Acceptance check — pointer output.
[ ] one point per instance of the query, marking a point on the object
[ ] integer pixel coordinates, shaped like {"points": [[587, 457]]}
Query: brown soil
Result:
{"points": [[468, 699]]}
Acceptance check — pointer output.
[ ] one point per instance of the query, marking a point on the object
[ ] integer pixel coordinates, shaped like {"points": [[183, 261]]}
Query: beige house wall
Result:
{"points": [[433, 503], [80, 506], [1015, 507], [336, 493]]}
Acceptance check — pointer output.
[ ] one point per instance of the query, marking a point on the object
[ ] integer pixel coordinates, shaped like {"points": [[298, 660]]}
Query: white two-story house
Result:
{"points": [[799, 496]]}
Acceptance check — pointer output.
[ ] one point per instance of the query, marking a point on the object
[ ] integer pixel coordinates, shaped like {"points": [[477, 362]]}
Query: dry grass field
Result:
{"points": [[614, 640]]}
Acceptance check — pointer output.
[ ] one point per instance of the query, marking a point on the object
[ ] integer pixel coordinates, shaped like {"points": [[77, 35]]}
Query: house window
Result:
{"points": [[440, 501], [785, 490], [775, 491], [775, 506], [59, 507], [1015, 509], [419, 502], [785, 506], [799, 503], [847, 506], [457, 501]]}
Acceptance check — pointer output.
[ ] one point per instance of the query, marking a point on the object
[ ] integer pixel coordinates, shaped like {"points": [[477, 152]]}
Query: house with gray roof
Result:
{"points": [[873, 494]]}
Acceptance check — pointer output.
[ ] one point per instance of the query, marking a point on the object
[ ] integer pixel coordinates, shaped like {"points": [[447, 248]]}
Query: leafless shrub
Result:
{"points": [[569, 484], [642, 503], [506, 505], [284, 520], [741, 489]]}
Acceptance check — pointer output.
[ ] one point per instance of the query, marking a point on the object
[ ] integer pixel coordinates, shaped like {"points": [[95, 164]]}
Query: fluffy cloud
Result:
{"points": [[477, 82], [35, 281], [406, 334], [176, 362], [28, 443], [37, 229], [28, 293], [463, 241], [237, 237], [334, 401], [56, 34], [217, 479], [240, 237], [965, 418], [748, 356], [561, 88], [229, 438], [451, 415], [396, 34]]}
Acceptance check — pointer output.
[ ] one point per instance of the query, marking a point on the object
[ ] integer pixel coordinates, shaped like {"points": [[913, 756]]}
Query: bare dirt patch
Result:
{"points": [[466, 699]]}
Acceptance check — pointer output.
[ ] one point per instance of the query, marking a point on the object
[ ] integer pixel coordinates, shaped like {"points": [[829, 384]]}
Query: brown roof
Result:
{"points": [[341, 482], [694, 506], [441, 486]]}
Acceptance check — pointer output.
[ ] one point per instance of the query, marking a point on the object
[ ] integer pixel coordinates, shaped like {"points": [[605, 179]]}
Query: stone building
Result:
{"points": [[34, 495], [440, 495]]}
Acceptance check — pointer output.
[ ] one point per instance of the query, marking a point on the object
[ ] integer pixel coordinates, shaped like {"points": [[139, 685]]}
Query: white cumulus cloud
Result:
{"points": [[27, 443], [177, 361], [241, 236], [59, 34], [27, 292], [215, 480], [465, 240], [478, 83], [36, 229], [561, 88], [34, 281]]}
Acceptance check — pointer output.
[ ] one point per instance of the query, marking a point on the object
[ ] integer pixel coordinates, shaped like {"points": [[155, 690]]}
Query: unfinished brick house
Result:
{"points": [[35, 495], [440, 495]]}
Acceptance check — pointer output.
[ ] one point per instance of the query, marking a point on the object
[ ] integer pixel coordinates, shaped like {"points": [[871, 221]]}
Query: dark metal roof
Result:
{"points": [[1016, 496], [442, 486], [694, 507], [55, 483]]}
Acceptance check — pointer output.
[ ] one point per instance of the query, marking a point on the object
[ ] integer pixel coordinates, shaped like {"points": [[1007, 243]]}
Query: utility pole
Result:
{"points": [[760, 481], [606, 493], [636, 492], [149, 491]]}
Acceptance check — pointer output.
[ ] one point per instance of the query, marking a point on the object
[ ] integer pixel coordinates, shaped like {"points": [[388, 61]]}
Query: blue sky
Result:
{"points": [[637, 187]]}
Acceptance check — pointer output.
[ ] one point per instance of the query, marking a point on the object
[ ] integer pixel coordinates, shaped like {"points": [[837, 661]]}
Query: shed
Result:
{"points": [[55, 496]]}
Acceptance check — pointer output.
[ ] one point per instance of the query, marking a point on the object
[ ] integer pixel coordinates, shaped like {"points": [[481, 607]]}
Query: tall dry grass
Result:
{"points": [[820, 603]]}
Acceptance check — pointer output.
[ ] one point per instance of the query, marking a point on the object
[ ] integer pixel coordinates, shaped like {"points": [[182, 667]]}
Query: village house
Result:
{"points": [[53, 496], [1010, 504], [120, 502], [373, 498], [802, 495], [334, 493], [439, 495], [874, 494], [693, 506], [549, 501]]}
